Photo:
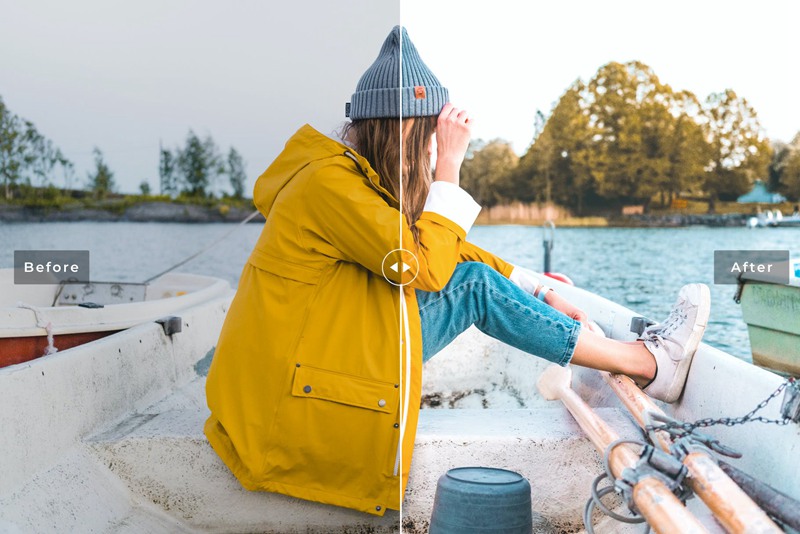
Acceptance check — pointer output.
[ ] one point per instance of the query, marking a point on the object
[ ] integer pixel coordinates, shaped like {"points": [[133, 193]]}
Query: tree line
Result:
{"points": [[26, 156], [625, 137], [29, 161], [195, 168]]}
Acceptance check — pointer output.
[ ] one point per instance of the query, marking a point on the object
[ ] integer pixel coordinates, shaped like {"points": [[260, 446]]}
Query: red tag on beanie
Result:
{"points": [[419, 92]]}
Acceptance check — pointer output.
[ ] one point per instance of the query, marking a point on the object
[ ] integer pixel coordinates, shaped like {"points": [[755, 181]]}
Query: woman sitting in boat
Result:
{"points": [[315, 385]]}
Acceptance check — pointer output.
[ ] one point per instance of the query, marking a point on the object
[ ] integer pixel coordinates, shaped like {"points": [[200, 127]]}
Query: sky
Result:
{"points": [[126, 76]]}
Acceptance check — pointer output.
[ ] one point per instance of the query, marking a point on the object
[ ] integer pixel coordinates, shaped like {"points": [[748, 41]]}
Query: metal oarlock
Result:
{"points": [[735, 509], [790, 407], [653, 498], [653, 463]]}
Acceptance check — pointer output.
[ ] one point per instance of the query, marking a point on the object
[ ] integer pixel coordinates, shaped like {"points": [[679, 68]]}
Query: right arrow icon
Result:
{"points": [[396, 267]]}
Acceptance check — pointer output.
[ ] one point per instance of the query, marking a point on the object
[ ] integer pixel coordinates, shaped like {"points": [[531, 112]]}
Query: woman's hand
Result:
{"points": [[453, 132], [561, 304]]}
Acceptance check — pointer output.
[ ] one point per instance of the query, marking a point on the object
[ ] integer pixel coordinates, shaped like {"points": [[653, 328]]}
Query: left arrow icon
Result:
{"points": [[397, 266]]}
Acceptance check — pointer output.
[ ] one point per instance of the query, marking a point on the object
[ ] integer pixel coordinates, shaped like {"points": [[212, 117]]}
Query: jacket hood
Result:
{"points": [[307, 146]]}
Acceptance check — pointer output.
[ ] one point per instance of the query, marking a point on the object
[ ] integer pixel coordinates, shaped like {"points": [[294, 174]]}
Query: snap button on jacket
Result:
{"points": [[311, 392]]}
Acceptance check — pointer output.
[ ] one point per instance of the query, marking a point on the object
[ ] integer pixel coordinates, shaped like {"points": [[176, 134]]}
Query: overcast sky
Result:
{"points": [[126, 76]]}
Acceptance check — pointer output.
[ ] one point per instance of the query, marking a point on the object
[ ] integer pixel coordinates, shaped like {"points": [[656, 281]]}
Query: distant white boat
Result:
{"points": [[773, 219]]}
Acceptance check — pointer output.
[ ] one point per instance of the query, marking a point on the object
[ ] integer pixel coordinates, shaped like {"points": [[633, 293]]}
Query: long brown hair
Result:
{"points": [[379, 141]]}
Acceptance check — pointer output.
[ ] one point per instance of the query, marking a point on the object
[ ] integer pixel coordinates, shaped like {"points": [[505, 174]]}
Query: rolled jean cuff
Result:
{"points": [[572, 340]]}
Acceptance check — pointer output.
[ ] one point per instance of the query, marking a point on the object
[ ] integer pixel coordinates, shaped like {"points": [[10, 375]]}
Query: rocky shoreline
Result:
{"points": [[680, 219], [160, 212], [165, 212]]}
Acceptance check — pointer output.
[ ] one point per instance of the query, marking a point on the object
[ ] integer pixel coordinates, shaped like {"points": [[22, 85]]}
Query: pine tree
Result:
{"points": [[166, 172], [199, 164], [236, 172], [101, 182]]}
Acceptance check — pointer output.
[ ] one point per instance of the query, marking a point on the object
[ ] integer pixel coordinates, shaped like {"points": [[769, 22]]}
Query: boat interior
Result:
{"points": [[108, 437]]}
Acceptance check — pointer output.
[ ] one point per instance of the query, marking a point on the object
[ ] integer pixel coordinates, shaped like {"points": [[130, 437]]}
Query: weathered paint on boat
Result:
{"points": [[21, 349], [772, 314]]}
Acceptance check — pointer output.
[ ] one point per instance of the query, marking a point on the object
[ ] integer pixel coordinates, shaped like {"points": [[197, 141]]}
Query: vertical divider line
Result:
{"points": [[401, 330]]}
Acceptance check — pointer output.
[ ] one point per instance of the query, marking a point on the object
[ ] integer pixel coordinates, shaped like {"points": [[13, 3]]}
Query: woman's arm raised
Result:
{"points": [[348, 219]]}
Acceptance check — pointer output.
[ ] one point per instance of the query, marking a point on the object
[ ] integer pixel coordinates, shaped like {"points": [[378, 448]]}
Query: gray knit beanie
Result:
{"points": [[379, 92]]}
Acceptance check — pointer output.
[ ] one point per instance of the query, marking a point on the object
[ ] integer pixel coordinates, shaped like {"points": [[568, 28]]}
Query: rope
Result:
{"points": [[193, 256], [40, 322]]}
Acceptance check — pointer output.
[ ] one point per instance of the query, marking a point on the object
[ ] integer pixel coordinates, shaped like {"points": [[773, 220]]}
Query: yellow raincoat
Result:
{"points": [[312, 394]]}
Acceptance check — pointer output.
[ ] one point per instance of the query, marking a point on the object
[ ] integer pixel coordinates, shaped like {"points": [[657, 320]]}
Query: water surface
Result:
{"points": [[642, 268]]}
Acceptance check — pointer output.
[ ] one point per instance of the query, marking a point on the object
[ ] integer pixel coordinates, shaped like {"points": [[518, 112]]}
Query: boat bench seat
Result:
{"points": [[163, 457], [544, 444]]}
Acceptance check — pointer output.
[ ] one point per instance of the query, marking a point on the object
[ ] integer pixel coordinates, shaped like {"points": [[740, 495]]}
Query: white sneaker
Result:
{"points": [[674, 342]]}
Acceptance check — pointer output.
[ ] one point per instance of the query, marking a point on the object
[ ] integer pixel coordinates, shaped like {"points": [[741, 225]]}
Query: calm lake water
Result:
{"points": [[641, 268]]}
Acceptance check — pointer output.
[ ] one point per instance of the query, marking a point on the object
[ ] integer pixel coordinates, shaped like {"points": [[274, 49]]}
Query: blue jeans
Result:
{"points": [[477, 294]]}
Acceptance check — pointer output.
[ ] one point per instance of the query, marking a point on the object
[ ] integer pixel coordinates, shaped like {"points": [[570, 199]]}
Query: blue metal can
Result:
{"points": [[470, 500]]}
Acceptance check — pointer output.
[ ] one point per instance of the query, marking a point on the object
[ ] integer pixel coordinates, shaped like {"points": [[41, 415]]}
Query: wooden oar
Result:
{"points": [[731, 506], [662, 510]]}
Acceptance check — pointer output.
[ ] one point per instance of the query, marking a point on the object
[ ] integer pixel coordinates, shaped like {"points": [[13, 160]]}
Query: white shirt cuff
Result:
{"points": [[450, 201], [524, 279]]}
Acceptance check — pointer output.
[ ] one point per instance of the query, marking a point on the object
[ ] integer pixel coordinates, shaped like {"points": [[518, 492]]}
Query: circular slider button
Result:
{"points": [[400, 267]]}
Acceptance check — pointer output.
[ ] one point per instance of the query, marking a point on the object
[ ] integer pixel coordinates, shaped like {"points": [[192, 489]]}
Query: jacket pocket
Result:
{"points": [[342, 388], [335, 435]]}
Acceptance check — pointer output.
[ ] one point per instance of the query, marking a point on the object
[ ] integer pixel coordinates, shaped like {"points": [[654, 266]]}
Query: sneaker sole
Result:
{"points": [[701, 321]]}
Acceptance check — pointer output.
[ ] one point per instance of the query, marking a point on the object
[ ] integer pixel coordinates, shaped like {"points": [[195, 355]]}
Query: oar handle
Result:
{"points": [[732, 506]]}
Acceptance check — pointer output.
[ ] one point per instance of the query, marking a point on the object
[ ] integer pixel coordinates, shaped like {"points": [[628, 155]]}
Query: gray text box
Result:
{"points": [[762, 265], [50, 266]]}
